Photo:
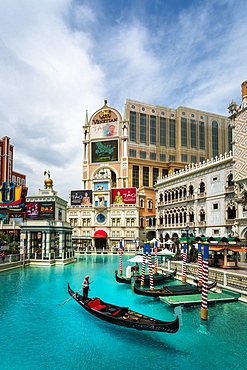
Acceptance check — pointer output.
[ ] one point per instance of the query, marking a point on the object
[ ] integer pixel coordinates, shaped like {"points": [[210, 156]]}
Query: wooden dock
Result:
{"points": [[196, 299]]}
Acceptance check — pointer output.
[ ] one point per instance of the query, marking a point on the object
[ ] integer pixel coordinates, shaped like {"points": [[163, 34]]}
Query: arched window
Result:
{"points": [[191, 190], [161, 197], [229, 138], [142, 203], [202, 215], [215, 137], [150, 222], [191, 216], [161, 220], [231, 212], [230, 181], [202, 187], [181, 218]]}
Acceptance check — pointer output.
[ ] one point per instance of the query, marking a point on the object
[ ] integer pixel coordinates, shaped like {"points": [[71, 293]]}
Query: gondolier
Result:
{"points": [[85, 285]]}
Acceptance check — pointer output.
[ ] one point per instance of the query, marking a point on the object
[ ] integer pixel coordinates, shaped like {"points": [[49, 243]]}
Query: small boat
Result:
{"points": [[123, 316], [156, 278], [172, 290]]}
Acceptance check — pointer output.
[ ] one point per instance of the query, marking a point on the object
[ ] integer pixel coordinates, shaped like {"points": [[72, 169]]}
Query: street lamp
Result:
{"points": [[187, 230]]}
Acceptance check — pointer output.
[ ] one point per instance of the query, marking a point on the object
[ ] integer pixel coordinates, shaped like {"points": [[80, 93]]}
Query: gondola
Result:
{"points": [[123, 316], [157, 278], [172, 290]]}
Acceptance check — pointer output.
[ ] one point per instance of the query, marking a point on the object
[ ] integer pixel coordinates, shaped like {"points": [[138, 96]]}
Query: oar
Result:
{"points": [[67, 300]]}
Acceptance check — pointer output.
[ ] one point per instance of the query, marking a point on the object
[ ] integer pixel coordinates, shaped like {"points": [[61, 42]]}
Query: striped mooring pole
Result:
{"points": [[155, 256], [204, 307], [200, 263], [120, 257], [150, 268], [184, 263]]}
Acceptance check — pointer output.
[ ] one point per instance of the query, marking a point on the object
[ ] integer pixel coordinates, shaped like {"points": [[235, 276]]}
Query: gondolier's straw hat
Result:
{"points": [[87, 276]]}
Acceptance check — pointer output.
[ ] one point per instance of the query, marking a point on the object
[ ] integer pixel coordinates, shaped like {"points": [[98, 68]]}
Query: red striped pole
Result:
{"points": [[150, 268], [200, 263], [184, 263], [143, 265], [155, 257], [204, 307], [120, 258]]}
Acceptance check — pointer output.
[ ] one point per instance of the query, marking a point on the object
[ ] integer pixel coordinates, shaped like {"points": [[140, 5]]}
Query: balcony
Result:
{"points": [[202, 195]]}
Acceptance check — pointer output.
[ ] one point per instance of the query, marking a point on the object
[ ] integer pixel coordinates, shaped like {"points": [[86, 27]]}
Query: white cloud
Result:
{"points": [[59, 57]]}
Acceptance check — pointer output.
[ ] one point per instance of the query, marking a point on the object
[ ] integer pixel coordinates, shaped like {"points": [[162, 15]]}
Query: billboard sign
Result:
{"points": [[40, 210], [104, 151], [12, 197], [16, 217], [81, 197], [101, 186], [124, 196], [104, 130]]}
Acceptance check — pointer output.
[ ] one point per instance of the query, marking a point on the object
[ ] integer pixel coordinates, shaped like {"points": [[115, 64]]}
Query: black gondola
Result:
{"points": [[172, 290], [156, 277], [123, 316]]}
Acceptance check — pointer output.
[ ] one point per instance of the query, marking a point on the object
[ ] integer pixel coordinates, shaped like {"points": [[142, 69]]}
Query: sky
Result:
{"points": [[59, 58]]}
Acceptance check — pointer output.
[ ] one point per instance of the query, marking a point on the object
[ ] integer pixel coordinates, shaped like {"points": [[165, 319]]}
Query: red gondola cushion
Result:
{"points": [[96, 304]]}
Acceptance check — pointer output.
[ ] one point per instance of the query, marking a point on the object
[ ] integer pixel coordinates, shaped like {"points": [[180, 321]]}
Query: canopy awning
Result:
{"points": [[226, 247], [100, 234]]}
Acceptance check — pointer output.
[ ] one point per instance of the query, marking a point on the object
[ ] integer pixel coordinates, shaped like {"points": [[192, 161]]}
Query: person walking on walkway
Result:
{"points": [[3, 256]]}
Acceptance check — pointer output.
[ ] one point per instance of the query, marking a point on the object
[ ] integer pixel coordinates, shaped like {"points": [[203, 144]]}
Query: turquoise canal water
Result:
{"points": [[35, 333]]}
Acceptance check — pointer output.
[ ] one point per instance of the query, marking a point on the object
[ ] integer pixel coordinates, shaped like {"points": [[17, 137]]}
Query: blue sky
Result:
{"points": [[61, 57]]}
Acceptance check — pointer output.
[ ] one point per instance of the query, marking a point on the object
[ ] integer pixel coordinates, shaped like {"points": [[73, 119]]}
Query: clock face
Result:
{"points": [[100, 218]]}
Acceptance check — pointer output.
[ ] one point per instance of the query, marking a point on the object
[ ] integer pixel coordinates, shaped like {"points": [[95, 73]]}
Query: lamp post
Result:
{"points": [[187, 230]]}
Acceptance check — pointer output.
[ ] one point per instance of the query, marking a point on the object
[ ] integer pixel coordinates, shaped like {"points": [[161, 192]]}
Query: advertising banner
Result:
{"points": [[101, 186], [124, 196], [16, 217], [12, 197], [81, 197], [104, 151], [40, 211], [104, 130]]}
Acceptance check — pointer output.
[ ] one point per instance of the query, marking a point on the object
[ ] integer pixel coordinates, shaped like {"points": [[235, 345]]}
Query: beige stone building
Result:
{"points": [[127, 155]]}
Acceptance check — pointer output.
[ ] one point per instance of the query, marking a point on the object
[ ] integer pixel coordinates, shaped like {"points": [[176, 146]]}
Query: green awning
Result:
{"points": [[184, 239], [81, 237]]}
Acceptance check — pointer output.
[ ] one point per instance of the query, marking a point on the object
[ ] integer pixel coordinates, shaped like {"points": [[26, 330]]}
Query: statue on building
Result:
{"points": [[118, 199], [48, 182], [235, 229]]}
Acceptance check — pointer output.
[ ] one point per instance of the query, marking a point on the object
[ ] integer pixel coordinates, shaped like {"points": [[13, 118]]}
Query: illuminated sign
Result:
{"points": [[105, 151], [105, 116], [12, 197], [101, 186], [124, 196], [81, 197], [16, 217], [104, 130], [40, 210]]}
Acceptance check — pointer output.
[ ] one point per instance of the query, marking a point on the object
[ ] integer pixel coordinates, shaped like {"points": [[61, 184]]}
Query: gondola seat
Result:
{"points": [[96, 304]]}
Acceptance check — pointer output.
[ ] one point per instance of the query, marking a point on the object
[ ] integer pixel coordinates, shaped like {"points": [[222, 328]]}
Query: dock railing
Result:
{"points": [[225, 279]]}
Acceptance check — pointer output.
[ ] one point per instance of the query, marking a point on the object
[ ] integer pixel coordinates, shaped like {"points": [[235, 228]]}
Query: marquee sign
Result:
{"points": [[104, 151]]}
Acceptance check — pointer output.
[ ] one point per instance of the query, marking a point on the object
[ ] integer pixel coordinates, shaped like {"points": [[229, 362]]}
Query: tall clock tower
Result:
{"points": [[106, 210]]}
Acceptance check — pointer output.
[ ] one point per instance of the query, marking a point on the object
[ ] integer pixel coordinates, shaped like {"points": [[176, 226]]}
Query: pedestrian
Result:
{"points": [[3, 256], [85, 285]]}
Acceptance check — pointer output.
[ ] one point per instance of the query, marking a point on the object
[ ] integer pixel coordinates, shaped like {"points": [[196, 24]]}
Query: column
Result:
{"points": [[43, 245]]}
